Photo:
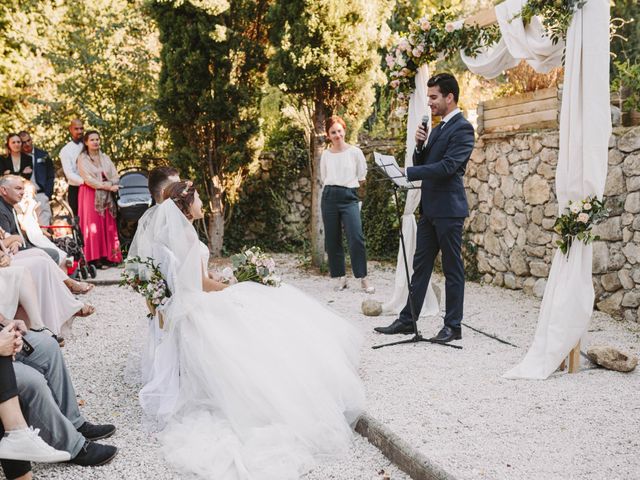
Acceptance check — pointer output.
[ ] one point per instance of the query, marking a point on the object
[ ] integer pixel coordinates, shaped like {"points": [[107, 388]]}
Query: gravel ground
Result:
{"points": [[451, 405]]}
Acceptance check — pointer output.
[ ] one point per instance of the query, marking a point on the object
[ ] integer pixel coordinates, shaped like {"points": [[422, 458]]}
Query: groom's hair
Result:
{"points": [[447, 84], [158, 179]]}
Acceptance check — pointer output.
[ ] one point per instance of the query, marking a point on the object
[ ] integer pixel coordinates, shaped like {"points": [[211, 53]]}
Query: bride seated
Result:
{"points": [[249, 381]]}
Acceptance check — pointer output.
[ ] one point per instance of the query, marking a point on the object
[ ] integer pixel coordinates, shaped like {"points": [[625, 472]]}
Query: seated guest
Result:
{"points": [[11, 193], [53, 295], [18, 443], [96, 203], [15, 162], [28, 221], [49, 402], [42, 178]]}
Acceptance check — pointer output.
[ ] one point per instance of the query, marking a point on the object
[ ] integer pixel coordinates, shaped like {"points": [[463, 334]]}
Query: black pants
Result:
{"points": [[72, 196], [8, 390], [340, 209], [434, 235]]}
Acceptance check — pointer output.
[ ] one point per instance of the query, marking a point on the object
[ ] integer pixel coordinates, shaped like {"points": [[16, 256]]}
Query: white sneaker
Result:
{"points": [[26, 444]]}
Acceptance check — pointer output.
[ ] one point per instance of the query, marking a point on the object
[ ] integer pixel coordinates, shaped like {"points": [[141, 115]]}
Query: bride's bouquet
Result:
{"points": [[253, 265], [144, 277]]}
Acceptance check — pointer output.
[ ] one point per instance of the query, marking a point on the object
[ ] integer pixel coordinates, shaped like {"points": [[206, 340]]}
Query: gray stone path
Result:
{"points": [[451, 405]]}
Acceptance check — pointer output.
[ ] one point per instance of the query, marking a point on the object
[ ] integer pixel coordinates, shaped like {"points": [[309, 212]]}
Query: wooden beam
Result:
{"points": [[483, 18], [574, 359]]}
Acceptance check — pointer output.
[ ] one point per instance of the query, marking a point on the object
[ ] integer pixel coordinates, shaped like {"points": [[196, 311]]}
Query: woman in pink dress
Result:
{"points": [[96, 203]]}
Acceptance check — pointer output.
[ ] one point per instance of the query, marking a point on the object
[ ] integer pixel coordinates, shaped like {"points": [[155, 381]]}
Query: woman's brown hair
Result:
{"points": [[182, 193], [9, 137], [333, 119]]}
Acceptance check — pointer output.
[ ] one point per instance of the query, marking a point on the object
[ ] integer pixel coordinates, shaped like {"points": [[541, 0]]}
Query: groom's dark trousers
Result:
{"points": [[440, 165]]}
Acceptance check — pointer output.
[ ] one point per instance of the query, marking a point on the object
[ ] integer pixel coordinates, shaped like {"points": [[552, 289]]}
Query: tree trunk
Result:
{"points": [[317, 146], [216, 220]]}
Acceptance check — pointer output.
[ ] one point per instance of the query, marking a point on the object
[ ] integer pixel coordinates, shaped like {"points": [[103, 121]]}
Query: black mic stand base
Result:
{"points": [[415, 339]]}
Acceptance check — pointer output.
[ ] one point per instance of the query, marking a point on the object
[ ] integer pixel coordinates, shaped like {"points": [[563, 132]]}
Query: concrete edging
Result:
{"points": [[413, 463]]}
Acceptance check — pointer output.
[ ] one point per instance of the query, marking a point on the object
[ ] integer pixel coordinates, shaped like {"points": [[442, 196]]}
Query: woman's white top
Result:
{"points": [[344, 169]]}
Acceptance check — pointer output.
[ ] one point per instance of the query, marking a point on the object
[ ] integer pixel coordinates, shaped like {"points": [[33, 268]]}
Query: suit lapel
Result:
{"points": [[438, 130]]}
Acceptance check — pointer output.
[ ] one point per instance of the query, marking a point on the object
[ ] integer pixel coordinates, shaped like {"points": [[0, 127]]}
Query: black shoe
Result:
{"points": [[447, 334], [396, 327], [94, 454], [96, 432]]}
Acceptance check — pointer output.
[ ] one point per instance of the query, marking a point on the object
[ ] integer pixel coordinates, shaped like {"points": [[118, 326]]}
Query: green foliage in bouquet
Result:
{"points": [[253, 265], [577, 222], [145, 278]]}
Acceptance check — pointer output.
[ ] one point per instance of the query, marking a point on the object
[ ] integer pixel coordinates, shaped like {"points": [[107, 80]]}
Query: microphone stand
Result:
{"points": [[417, 337]]}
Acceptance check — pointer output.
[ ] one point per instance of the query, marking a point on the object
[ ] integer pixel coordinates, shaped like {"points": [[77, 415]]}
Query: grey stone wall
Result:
{"points": [[511, 191]]}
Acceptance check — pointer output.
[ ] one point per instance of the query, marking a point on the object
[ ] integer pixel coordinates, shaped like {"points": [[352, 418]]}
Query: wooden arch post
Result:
{"points": [[484, 18]]}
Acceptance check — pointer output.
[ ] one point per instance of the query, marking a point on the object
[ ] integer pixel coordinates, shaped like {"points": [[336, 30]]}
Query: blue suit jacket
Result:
{"points": [[440, 165], [44, 172]]}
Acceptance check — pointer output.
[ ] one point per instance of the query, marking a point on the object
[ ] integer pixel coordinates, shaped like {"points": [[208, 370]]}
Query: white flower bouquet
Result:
{"points": [[144, 277], [253, 265]]}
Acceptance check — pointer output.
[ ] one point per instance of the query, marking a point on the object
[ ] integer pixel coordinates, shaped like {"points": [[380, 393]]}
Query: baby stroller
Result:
{"points": [[134, 198], [68, 237]]}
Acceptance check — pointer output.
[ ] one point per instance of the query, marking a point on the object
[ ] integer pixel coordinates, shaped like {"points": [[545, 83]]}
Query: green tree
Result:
{"points": [[213, 70], [326, 58]]}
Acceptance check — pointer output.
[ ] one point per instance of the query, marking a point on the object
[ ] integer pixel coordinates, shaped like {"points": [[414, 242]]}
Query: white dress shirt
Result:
{"points": [[69, 159], [449, 116], [344, 169]]}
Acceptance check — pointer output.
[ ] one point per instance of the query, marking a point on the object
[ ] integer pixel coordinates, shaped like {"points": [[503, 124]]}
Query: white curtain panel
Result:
{"points": [[518, 42], [417, 109], [585, 129]]}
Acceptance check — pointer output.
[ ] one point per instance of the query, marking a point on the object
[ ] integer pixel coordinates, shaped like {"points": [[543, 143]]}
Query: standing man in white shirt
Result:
{"points": [[69, 159]]}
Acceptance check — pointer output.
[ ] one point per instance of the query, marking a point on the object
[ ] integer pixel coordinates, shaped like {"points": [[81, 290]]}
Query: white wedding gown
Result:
{"points": [[267, 383]]}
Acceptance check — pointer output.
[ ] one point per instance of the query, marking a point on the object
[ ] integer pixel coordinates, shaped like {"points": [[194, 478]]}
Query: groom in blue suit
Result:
{"points": [[440, 164]]}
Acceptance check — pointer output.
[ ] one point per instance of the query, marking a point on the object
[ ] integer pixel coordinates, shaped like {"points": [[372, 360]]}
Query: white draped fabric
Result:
{"points": [[518, 42], [417, 109], [585, 128]]}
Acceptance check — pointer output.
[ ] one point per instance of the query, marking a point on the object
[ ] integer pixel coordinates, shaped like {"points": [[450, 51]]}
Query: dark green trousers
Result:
{"points": [[340, 210]]}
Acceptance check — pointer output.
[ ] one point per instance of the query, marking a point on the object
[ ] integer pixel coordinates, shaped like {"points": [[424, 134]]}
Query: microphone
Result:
{"points": [[425, 125]]}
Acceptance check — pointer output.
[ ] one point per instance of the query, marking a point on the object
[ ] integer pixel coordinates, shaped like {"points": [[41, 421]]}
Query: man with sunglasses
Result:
{"points": [[440, 165]]}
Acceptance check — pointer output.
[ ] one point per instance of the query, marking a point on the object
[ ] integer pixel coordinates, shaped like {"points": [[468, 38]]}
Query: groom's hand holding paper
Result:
{"points": [[390, 167]]}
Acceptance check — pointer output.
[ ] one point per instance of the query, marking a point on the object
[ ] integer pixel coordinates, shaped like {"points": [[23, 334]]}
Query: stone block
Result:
{"points": [[630, 141], [632, 203], [551, 209], [633, 183], [549, 156], [482, 173], [610, 229], [536, 190], [539, 286], [479, 223], [483, 264], [537, 251], [611, 358], [498, 199], [626, 279], [478, 155], [600, 257], [498, 279], [494, 181], [507, 185], [508, 239], [518, 262], [491, 243], [533, 163], [537, 214], [551, 140], [491, 152], [520, 172], [371, 308], [615, 184], [510, 281], [502, 165], [632, 253], [612, 304], [631, 165], [615, 157], [506, 147], [528, 285], [627, 235], [627, 219], [537, 236], [520, 219], [497, 220], [474, 184], [631, 299], [534, 144], [539, 269], [546, 170], [548, 223], [611, 282]]}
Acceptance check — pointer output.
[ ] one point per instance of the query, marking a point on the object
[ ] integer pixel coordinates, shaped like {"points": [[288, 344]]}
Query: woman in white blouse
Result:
{"points": [[342, 168]]}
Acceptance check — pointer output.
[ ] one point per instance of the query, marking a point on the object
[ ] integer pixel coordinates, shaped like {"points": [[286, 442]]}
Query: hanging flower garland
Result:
{"points": [[430, 39], [443, 35]]}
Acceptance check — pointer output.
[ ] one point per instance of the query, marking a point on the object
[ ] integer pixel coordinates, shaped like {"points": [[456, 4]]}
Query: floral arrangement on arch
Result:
{"points": [[577, 221], [443, 35], [431, 38], [252, 265]]}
